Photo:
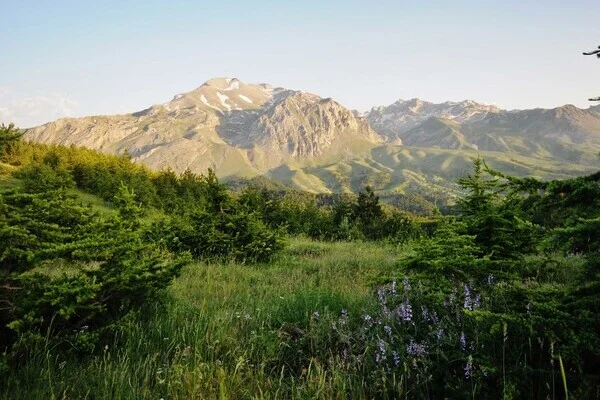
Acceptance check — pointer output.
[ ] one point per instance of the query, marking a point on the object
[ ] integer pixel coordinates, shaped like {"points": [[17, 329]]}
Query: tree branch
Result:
{"points": [[596, 52]]}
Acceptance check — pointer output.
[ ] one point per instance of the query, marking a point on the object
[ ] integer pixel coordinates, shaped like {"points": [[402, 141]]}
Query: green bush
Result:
{"points": [[67, 274]]}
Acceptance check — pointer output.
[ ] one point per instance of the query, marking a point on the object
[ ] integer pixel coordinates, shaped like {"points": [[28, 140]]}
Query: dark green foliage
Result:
{"points": [[493, 215], [40, 226], [41, 177], [67, 274], [451, 254], [9, 137], [232, 235]]}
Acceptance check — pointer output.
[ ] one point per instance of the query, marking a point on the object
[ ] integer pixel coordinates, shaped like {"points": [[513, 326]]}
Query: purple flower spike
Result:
{"points": [[468, 302], [469, 368], [463, 341]]}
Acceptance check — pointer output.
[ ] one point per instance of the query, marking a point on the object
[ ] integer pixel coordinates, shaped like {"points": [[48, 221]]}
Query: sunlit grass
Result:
{"points": [[221, 331]]}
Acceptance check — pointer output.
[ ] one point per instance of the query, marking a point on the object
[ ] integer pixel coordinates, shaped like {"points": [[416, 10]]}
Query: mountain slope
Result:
{"points": [[239, 129], [567, 133]]}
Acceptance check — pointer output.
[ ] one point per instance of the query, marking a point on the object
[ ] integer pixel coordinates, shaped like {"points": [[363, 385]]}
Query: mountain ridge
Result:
{"points": [[244, 130]]}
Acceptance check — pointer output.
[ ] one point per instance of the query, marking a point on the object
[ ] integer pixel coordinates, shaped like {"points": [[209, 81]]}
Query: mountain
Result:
{"points": [[236, 128], [403, 115], [316, 144], [565, 133]]}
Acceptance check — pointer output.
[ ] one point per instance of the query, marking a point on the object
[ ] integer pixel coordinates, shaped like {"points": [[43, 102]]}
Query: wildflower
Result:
{"points": [[452, 299], [344, 313], [477, 301], [396, 358], [469, 367], [463, 341], [388, 330], [381, 296], [425, 313], [490, 279], [406, 284], [394, 289], [381, 345], [316, 315], [434, 317], [468, 302], [416, 349], [380, 356], [385, 311], [440, 333], [404, 311]]}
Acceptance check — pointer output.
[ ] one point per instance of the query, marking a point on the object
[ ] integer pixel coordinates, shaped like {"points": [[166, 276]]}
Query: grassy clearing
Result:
{"points": [[223, 332]]}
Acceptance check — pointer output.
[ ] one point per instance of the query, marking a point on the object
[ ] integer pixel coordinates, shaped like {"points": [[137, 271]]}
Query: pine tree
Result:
{"points": [[9, 135], [493, 214]]}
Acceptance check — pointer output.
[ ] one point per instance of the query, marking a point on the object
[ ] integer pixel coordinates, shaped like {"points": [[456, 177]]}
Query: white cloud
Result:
{"points": [[27, 109]]}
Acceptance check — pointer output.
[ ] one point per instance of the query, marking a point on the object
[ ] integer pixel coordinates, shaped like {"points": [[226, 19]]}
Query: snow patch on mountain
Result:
{"points": [[246, 99], [223, 98]]}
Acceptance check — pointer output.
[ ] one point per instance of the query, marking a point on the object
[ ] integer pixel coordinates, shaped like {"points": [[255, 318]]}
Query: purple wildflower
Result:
{"points": [[490, 279], [463, 341], [469, 368], [381, 295], [406, 310], [406, 284], [388, 330], [452, 297], [425, 313], [468, 302], [385, 311], [381, 345], [440, 333], [416, 349], [396, 358], [380, 356], [394, 289], [477, 301]]}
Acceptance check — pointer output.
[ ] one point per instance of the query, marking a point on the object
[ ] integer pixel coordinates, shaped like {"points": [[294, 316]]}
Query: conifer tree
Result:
{"points": [[493, 215]]}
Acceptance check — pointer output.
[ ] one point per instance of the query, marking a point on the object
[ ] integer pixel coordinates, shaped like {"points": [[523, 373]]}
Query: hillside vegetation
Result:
{"points": [[120, 282]]}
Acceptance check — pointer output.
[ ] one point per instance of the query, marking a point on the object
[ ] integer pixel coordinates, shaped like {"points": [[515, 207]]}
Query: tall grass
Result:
{"points": [[224, 332]]}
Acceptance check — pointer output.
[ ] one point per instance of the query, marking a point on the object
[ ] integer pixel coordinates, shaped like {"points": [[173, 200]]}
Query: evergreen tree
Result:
{"points": [[493, 214], [9, 135]]}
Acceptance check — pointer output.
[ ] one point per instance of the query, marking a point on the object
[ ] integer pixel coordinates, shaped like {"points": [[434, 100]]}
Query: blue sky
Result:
{"points": [[101, 57]]}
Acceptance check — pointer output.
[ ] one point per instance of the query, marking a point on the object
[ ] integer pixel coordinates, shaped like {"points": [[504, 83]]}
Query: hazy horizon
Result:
{"points": [[73, 59]]}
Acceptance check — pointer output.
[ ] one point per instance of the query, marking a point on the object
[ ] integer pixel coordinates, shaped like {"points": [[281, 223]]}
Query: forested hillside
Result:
{"points": [[121, 282]]}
